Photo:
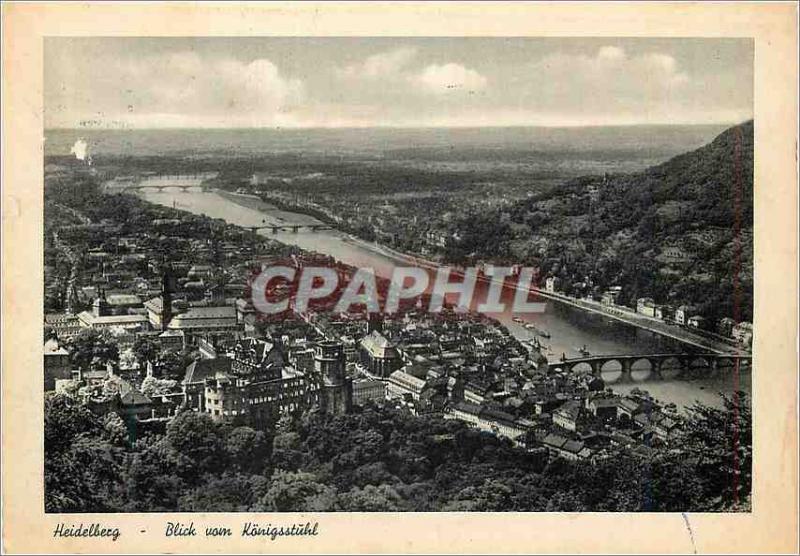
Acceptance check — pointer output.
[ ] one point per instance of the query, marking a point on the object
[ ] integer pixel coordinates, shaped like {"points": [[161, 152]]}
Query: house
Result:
{"points": [[659, 424], [201, 320], [195, 378], [743, 333], [119, 303], [628, 408], [65, 325], [475, 392], [725, 326], [696, 321], [682, 314], [566, 416], [56, 364], [602, 407], [610, 295], [558, 446], [172, 339], [664, 312], [132, 403], [101, 317], [503, 424], [550, 284], [430, 401], [646, 306]]}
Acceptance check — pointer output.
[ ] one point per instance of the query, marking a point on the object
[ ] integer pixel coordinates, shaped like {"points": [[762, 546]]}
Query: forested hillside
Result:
{"points": [[680, 232]]}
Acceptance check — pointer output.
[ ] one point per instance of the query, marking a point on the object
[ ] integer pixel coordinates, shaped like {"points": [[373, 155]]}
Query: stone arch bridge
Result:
{"points": [[127, 188], [656, 366], [275, 228]]}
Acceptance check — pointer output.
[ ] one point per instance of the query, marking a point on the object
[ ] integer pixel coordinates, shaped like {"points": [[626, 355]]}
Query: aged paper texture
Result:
{"points": [[125, 97]]}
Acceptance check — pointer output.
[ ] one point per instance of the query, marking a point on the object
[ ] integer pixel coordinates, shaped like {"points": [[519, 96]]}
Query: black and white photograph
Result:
{"points": [[422, 274], [398, 275], [399, 278]]}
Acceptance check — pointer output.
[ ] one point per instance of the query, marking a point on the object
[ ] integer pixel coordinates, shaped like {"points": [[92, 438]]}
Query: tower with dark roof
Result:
{"points": [[167, 289], [336, 392], [100, 307]]}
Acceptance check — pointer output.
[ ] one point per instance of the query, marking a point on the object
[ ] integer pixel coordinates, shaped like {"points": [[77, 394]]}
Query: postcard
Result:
{"points": [[400, 278]]}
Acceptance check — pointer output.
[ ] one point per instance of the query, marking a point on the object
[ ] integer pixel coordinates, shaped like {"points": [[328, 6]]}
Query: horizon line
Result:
{"points": [[396, 127]]}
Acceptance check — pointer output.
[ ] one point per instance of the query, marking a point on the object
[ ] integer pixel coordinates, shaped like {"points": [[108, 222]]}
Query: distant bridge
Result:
{"points": [[144, 186], [162, 182], [657, 365], [275, 228]]}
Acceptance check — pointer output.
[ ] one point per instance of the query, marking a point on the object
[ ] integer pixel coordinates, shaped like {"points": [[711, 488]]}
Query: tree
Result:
{"points": [[81, 466], [371, 498], [196, 437], [146, 350], [565, 502], [152, 386], [92, 347], [229, 493], [297, 492], [152, 479], [719, 444], [248, 450]]}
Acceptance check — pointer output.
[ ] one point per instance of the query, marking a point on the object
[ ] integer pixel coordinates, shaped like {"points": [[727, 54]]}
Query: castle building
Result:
{"points": [[336, 396], [255, 384]]}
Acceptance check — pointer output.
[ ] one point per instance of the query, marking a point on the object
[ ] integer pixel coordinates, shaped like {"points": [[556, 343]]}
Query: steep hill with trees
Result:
{"points": [[680, 232]]}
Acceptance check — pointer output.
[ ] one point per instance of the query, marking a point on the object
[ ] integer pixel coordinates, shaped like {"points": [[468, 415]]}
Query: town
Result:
{"points": [[157, 320]]}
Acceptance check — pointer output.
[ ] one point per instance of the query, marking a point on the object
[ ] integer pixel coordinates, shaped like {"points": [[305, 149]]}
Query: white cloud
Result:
{"points": [[611, 65], [612, 53], [180, 87], [113, 83], [441, 79], [382, 65]]}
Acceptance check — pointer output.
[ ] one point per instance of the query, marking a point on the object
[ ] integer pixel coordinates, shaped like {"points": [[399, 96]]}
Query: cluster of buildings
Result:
{"points": [[244, 369], [467, 367]]}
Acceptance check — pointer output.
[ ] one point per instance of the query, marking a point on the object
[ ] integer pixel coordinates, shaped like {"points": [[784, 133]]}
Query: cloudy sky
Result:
{"points": [[354, 82]]}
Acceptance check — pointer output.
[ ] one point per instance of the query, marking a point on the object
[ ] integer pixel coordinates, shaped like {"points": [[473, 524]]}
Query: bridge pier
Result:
{"points": [[626, 375], [655, 370]]}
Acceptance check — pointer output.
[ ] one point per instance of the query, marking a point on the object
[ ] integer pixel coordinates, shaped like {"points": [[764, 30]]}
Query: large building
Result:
{"points": [[336, 395], [100, 317], [256, 385], [366, 390], [379, 355], [194, 320]]}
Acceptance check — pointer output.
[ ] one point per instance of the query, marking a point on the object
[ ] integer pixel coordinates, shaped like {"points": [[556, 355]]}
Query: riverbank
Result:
{"points": [[571, 327], [628, 317], [257, 203]]}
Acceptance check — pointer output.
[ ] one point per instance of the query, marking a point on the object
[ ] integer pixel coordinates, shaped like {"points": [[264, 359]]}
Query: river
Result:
{"points": [[570, 329]]}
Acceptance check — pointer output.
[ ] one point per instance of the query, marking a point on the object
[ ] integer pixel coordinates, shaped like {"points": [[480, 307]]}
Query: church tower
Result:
{"points": [[100, 307], [336, 392], [167, 289]]}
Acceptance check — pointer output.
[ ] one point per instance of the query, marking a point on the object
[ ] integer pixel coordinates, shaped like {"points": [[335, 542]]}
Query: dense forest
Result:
{"points": [[378, 459]]}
